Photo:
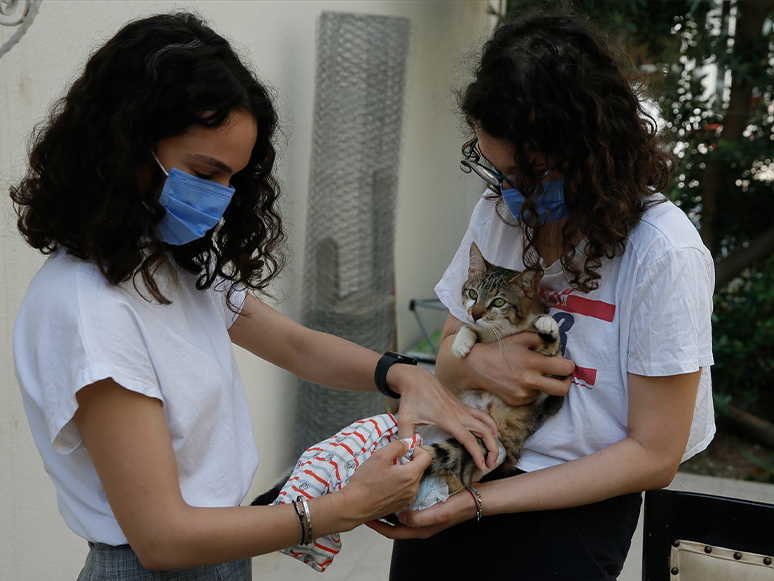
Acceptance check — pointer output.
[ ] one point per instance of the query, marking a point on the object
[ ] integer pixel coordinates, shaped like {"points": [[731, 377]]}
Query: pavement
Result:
{"points": [[365, 555]]}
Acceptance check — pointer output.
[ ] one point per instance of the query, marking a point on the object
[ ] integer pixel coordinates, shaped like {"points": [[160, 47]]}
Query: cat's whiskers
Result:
{"points": [[499, 332]]}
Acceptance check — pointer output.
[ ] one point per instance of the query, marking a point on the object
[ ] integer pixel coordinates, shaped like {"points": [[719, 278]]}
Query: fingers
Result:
{"points": [[548, 384], [547, 365], [555, 365], [398, 448], [401, 531], [394, 532], [391, 451], [380, 486], [425, 523], [380, 527], [485, 418], [487, 435], [406, 425], [464, 437], [528, 340], [421, 459]]}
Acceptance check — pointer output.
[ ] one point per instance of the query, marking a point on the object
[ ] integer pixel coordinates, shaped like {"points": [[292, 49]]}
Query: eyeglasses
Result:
{"points": [[487, 172]]}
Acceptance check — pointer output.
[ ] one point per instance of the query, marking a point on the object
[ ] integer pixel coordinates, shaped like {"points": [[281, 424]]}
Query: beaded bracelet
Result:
{"points": [[300, 521], [479, 501], [308, 515]]}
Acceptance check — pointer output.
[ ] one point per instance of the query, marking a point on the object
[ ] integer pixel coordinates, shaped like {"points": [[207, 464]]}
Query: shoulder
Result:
{"points": [[65, 292], [487, 211], [665, 230], [60, 282]]}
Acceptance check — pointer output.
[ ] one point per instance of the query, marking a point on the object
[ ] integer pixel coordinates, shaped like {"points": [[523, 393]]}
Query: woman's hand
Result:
{"points": [[424, 401], [509, 369], [426, 523], [379, 487], [327, 360]]}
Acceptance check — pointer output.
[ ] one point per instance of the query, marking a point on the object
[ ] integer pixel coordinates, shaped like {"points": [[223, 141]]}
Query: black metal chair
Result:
{"points": [[698, 536]]}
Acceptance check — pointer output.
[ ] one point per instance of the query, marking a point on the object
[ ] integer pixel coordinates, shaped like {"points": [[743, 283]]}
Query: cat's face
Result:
{"points": [[497, 298]]}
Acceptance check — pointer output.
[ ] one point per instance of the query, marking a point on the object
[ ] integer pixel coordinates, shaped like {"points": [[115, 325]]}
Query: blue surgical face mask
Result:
{"points": [[550, 203], [194, 206]]}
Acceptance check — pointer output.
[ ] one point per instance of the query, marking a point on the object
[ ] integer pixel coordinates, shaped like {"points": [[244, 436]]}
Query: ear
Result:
{"points": [[530, 280], [477, 262]]}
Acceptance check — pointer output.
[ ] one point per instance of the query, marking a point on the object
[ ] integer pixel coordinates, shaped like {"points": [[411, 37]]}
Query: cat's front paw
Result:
{"points": [[463, 342], [547, 328]]}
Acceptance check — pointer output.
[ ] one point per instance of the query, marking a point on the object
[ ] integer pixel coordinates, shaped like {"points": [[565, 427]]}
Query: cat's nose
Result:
{"points": [[476, 315]]}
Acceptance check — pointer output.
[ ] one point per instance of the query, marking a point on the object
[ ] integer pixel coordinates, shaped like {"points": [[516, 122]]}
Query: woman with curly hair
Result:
{"points": [[151, 188], [575, 171]]}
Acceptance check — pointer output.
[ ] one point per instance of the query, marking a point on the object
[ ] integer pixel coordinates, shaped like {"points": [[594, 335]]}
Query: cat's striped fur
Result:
{"points": [[499, 302]]}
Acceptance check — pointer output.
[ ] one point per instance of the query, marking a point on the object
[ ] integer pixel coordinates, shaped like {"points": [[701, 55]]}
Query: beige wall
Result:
{"points": [[435, 200]]}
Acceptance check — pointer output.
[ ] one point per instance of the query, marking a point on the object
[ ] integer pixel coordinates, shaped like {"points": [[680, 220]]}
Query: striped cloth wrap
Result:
{"points": [[328, 466]]}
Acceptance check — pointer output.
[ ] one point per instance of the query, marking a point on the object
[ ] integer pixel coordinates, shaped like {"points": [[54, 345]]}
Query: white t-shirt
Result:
{"points": [[650, 316], [74, 328]]}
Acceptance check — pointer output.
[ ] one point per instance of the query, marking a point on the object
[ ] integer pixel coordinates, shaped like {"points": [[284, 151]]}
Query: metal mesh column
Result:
{"points": [[349, 269]]}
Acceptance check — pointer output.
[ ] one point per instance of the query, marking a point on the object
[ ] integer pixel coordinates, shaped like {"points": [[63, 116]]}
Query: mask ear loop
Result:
{"points": [[166, 173]]}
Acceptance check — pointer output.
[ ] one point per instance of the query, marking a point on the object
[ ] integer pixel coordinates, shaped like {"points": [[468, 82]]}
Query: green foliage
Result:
{"points": [[722, 405], [766, 465], [695, 115], [724, 174], [743, 340]]}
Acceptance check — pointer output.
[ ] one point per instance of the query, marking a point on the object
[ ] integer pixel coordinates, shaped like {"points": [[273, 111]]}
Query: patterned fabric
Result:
{"points": [[328, 466], [109, 563]]}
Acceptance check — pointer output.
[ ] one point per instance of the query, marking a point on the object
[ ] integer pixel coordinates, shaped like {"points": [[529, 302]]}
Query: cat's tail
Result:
{"points": [[271, 495]]}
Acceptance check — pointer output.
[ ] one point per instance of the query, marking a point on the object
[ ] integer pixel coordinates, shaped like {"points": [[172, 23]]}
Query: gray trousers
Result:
{"points": [[108, 563]]}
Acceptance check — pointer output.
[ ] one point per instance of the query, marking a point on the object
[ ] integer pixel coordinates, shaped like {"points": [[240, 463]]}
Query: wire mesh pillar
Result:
{"points": [[349, 263]]}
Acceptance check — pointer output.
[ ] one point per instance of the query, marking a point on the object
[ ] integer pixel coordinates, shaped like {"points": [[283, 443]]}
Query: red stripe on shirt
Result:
{"points": [[573, 303], [587, 376]]}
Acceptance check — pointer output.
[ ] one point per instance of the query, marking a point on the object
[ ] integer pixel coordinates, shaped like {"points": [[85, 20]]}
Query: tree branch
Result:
{"points": [[732, 266]]}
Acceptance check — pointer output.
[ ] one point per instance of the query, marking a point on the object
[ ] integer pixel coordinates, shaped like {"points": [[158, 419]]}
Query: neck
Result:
{"points": [[548, 242]]}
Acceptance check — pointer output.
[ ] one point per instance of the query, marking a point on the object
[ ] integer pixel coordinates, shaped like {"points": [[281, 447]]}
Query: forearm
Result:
{"points": [[335, 362], [311, 355], [509, 369], [454, 372], [192, 537], [621, 468]]}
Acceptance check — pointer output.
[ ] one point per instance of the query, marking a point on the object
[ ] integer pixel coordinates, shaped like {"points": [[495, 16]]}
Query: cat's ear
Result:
{"points": [[477, 262], [529, 280]]}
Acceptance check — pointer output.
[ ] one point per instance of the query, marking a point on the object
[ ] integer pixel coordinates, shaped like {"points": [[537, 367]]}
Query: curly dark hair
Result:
{"points": [[156, 78], [551, 83]]}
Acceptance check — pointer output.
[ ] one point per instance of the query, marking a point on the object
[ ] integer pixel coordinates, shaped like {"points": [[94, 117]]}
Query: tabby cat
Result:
{"points": [[499, 302]]}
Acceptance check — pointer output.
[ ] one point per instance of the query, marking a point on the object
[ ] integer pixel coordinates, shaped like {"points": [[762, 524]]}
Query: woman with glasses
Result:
{"points": [[152, 189], [575, 170]]}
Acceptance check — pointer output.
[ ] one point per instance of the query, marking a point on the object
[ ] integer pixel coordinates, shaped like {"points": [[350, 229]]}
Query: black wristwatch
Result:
{"points": [[380, 375]]}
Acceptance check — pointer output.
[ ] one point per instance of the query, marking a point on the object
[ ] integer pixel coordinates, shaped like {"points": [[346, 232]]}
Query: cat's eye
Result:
{"points": [[472, 294], [498, 303]]}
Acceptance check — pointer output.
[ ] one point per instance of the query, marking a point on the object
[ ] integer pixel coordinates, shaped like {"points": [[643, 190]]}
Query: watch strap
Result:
{"points": [[382, 367]]}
